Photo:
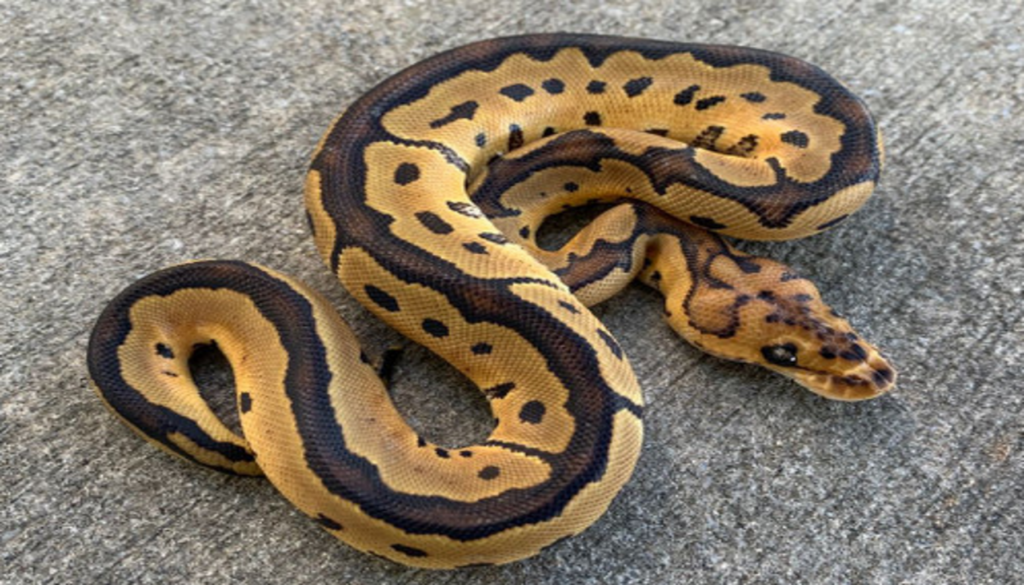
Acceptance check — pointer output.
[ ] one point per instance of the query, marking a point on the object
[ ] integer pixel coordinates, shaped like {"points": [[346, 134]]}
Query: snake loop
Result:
{"points": [[425, 199]]}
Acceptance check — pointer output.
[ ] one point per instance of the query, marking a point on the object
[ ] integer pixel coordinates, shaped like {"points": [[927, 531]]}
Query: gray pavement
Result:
{"points": [[140, 134]]}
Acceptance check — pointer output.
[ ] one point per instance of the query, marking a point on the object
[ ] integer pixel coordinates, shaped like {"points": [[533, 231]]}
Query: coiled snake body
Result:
{"points": [[425, 199]]}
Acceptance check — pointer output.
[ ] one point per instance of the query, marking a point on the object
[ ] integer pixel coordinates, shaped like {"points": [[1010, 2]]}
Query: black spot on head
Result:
{"points": [[494, 238], [499, 391], [435, 328], [488, 473], [753, 96], [803, 298], [434, 223], [475, 247], [592, 119], [882, 376], [855, 353], [710, 102], [832, 222], [610, 342], [571, 187], [481, 349], [635, 87], [686, 96], [532, 412], [766, 295], [524, 232], [515, 136], [517, 92], [780, 355], [463, 111], [442, 453], [421, 442], [164, 351], [406, 173], [481, 139], [569, 307], [381, 298], [596, 87], [548, 131], [408, 550], [796, 138], [466, 453], [245, 402], [774, 116], [828, 352], [706, 223], [788, 276], [553, 86]]}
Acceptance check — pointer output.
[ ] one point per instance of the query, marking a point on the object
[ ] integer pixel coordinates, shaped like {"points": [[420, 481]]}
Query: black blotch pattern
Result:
{"points": [[328, 523], [245, 402], [708, 137], [524, 232], [657, 131], [533, 412], [466, 453], [796, 138], [707, 223], [788, 276], [463, 111], [854, 353], [553, 86], [571, 187], [592, 119], [882, 377], [481, 349], [596, 87], [465, 208], [548, 131], [494, 238], [569, 307], [780, 355], [381, 298], [408, 550], [475, 247], [481, 139], [442, 453], [828, 353], [164, 351], [753, 96], [434, 223], [832, 222], [499, 391], [435, 328], [488, 473], [610, 342], [518, 91], [406, 173], [421, 442], [515, 136], [686, 96], [774, 116], [709, 102], [635, 87]]}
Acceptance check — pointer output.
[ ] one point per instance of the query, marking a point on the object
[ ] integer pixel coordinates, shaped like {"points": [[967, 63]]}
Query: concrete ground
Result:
{"points": [[140, 134]]}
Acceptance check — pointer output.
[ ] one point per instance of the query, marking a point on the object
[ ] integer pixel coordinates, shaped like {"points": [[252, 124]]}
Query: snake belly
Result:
{"points": [[425, 197]]}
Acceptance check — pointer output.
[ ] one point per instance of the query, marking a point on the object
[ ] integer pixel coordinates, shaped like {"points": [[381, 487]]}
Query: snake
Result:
{"points": [[425, 198]]}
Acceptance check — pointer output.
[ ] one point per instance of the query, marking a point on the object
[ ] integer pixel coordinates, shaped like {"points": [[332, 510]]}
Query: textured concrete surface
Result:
{"points": [[139, 134]]}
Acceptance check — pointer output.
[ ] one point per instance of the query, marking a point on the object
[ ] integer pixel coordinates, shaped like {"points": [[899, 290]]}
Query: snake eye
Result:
{"points": [[780, 355]]}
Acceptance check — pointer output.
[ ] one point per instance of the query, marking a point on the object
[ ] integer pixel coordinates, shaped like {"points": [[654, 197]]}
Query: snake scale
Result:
{"points": [[425, 198]]}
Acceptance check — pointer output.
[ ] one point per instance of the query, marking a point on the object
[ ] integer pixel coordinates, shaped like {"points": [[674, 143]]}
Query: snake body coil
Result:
{"points": [[425, 199]]}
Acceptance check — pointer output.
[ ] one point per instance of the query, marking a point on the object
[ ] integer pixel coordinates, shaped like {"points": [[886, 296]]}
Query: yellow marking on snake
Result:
{"points": [[425, 198]]}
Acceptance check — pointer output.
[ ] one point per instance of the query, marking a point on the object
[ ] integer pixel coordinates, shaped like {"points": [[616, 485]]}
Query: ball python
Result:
{"points": [[425, 198]]}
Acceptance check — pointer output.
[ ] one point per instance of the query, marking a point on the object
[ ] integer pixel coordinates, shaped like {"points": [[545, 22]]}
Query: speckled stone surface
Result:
{"points": [[140, 134]]}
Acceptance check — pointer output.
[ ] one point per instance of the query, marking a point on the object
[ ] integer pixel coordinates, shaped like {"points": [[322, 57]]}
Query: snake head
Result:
{"points": [[804, 339], [759, 311]]}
